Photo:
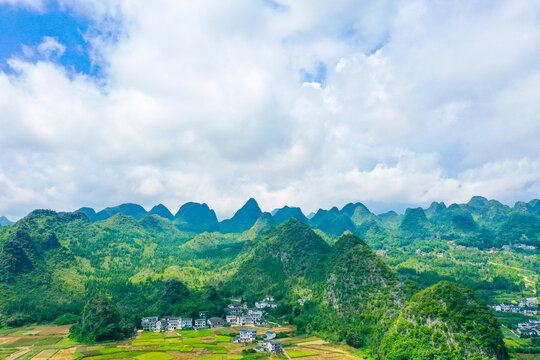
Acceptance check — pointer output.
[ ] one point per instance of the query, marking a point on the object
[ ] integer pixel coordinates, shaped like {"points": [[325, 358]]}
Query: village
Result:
{"points": [[527, 306], [529, 329], [236, 314]]}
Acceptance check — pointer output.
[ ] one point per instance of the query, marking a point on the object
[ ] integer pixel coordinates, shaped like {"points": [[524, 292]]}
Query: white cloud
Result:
{"points": [[205, 101], [32, 4], [51, 48]]}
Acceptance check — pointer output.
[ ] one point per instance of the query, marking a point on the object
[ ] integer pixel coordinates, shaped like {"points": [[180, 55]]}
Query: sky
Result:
{"points": [[304, 103]]}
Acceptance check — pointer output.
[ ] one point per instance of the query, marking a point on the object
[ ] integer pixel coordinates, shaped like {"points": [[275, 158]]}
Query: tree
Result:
{"points": [[100, 321]]}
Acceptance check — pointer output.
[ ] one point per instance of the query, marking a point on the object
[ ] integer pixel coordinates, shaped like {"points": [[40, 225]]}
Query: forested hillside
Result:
{"points": [[52, 264]]}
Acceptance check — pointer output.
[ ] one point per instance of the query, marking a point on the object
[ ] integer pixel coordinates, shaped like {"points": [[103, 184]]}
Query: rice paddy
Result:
{"points": [[52, 343]]}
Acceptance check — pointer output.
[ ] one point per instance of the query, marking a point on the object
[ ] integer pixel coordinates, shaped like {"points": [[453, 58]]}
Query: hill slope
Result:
{"points": [[243, 219], [445, 321]]}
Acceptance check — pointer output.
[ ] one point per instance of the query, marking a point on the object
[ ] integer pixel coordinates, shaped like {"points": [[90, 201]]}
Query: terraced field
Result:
{"points": [[52, 343]]}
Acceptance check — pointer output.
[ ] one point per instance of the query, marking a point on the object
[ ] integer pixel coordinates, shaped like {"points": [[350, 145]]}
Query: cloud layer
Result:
{"points": [[306, 103]]}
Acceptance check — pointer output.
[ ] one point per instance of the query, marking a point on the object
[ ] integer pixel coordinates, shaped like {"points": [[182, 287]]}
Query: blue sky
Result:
{"points": [[28, 26], [306, 103]]}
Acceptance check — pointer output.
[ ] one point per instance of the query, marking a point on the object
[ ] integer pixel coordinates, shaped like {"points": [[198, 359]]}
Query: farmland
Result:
{"points": [[52, 343]]}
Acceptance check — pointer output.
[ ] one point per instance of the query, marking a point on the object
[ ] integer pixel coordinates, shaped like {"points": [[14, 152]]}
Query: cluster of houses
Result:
{"points": [[267, 302], [422, 253], [530, 328], [269, 344], [171, 323], [237, 314], [241, 314], [519, 246], [526, 306]]}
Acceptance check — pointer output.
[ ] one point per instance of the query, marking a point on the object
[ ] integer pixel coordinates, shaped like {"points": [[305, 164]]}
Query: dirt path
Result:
{"points": [[511, 267], [286, 354], [528, 282], [18, 354]]}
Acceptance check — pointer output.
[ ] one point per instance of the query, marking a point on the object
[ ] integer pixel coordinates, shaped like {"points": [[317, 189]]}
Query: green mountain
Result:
{"points": [[4, 221], [373, 230], [196, 217], [286, 213], [350, 209], [445, 321], [291, 255], [391, 218], [52, 264], [161, 210], [243, 219], [361, 292], [454, 218], [358, 212], [535, 206], [434, 209], [91, 213], [264, 223], [520, 228], [133, 210], [331, 222], [414, 223]]}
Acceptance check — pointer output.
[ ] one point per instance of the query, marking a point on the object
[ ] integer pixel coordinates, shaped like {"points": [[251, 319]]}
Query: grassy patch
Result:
{"points": [[192, 341], [29, 355], [5, 354], [152, 335], [67, 341], [525, 356], [111, 350], [222, 338], [154, 356], [211, 357], [29, 341], [298, 341], [149, 342], [297, 354], [196, 333], [511, 319], [117, 355], [181, 348]]}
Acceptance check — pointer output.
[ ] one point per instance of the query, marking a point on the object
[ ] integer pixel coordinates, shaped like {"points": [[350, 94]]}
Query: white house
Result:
{"points": [[243, 320], [272, 346], [200, 323], [255, 314], [187, 323], [150, 324], [174, 323], [247, 335]]}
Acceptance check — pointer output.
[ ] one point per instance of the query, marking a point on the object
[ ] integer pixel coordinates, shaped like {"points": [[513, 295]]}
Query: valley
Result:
{"points": [[344, 276], [52, 343]]}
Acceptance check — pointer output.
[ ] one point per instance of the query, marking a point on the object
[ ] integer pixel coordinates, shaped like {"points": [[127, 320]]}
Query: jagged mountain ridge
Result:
{"points": [[348, 283], [480, 223], [4, 221]]}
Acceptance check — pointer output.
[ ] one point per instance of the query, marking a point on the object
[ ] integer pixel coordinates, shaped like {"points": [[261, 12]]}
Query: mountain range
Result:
{"points": [[4, 221], [52, 263], [480, 223]]}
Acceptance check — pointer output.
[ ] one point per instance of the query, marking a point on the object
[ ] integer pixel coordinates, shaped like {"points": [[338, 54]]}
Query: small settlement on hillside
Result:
{"points": [[526, 306], [236, 315], [529, 329]]}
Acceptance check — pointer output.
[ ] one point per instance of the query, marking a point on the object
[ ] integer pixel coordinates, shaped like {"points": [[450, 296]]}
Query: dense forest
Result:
{"points": [[370, 279]]}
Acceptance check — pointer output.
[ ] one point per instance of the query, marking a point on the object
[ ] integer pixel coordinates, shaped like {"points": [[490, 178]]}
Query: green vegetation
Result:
{"points": [[445, 321], [100, 321], [53, 266], [297, 354]]}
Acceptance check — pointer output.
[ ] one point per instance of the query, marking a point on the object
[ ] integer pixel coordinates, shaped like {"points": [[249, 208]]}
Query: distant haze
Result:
{"points": [[301, 103]]}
